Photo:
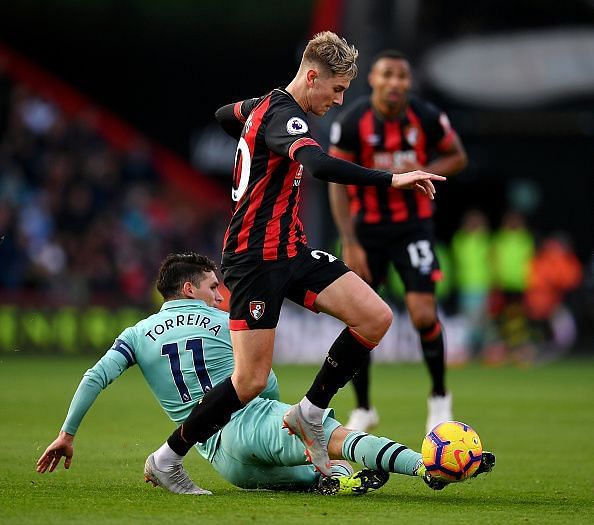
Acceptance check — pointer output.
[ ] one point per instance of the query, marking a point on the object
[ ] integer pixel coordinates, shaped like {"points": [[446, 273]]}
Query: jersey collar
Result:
{"points": [[177, 303], [287, 94]]}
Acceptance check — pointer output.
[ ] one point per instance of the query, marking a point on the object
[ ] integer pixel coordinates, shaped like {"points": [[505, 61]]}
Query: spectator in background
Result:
{"points": [[513, 249], [471, 256], [511, 256], [554, 272]]}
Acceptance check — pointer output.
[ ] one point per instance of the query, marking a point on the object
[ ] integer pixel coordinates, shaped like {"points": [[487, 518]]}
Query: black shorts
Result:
{"points": [[258, 288], [409, 247]]}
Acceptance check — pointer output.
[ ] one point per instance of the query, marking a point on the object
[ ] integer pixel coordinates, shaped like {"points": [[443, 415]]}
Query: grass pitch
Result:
{"points": [[539, 421]]}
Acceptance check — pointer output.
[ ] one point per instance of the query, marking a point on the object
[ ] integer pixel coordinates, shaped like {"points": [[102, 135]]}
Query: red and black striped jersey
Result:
{"points": [[267, 180], [379, 143]]}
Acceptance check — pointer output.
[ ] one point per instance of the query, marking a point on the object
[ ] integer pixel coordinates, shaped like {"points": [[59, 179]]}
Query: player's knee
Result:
{"points": [[248, 387], [379, 322], [423, 319], [385, 318]]}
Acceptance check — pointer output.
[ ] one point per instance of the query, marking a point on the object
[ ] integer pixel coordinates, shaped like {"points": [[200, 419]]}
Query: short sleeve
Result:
{"points": [[287, 131], [437, 126], [242, 109]]}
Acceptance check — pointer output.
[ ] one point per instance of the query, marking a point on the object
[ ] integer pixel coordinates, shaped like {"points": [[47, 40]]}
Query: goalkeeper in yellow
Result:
{"points": [[183, 351]]}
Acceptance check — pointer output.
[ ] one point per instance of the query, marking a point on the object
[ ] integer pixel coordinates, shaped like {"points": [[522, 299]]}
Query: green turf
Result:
{"points": [[539, 421]]}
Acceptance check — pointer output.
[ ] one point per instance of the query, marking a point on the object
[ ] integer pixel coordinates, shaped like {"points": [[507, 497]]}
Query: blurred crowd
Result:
{"points": [[514, 290], [83, 222]]}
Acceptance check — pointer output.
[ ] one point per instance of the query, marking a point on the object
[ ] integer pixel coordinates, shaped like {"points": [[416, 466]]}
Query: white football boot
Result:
{"points": [[439, 409], [175, 480], [363, 419]]}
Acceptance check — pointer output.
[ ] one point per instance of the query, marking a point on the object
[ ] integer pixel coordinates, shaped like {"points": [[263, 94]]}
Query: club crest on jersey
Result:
{"points": [[296, 126], [412, 135], [257, 309]]}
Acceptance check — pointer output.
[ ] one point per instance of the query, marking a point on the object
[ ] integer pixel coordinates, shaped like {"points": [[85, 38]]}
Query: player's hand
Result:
{"points": [[416, 180], [62, 446], [355, 258]]}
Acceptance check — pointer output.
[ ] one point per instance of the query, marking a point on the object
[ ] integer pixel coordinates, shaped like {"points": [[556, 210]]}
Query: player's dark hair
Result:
{"points": [[388, 53], [177, 268]]}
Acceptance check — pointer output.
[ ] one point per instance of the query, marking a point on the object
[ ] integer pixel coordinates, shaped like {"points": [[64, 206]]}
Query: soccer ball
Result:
{"points": [[452, 451]]}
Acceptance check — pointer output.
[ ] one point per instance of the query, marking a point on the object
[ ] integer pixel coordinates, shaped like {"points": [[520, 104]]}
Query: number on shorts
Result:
{"points": [[316, 254], [420, 253], [171, 350]]}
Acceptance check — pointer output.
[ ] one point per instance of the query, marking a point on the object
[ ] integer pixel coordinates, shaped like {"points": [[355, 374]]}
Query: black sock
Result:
{"points": [[344, 358], [434, 354], [208, 416], [361, 383]]}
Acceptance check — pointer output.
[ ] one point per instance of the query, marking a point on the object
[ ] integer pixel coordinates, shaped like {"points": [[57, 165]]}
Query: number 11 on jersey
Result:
{"points": [[171, 350]]}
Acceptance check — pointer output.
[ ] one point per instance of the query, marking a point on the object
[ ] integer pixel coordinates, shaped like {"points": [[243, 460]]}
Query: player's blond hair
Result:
{"points": [[333, 53]]}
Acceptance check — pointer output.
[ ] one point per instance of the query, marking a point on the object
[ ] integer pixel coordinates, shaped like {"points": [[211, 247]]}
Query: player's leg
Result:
{"points": [[380, 455], [324, 284], [374, 452], [254, 451], [422, 308], [417, 264], [364, 416], [367, 318], [252, 353], [423, 312], [354, 302], [386, 455], [248, 472]]}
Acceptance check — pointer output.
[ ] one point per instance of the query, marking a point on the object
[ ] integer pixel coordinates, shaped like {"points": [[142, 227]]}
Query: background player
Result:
{"points": [[266, 257], [396, 131], [252, 451]]}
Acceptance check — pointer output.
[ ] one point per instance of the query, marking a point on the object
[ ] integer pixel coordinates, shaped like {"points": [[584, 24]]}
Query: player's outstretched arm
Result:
{"points": [[106, 370], [324, 167], [62, 446]]}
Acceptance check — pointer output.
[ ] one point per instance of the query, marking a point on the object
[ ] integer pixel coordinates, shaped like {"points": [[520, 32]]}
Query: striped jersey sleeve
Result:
{"points": [[434, 122], [242, 109]]}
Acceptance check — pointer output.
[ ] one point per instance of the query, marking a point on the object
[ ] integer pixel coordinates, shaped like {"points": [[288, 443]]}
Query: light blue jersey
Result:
{"points": [[183, 351]]}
